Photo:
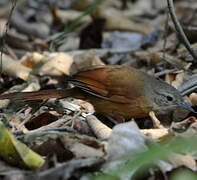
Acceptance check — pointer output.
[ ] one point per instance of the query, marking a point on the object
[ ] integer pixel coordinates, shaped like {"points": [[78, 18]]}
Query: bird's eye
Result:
{"points": [[169, 98]]}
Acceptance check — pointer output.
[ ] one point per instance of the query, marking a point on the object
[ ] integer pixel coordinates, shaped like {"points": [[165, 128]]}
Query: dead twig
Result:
{"points": [[165, 35], [5, 34], [156, 122], [11, 52], [180, 30], [155, 133], [100, 130]]}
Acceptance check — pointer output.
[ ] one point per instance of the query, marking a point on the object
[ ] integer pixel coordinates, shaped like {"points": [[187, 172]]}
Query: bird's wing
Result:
{"points": [[104, 82]]}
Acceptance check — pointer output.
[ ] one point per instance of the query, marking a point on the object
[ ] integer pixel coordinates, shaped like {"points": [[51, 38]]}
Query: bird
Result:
{"points": [[118, 91]]}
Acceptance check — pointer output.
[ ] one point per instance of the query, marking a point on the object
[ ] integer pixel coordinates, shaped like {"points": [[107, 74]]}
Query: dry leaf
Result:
{"points": [[14, 68], [41, 120], [126, 139], [59, 63]]}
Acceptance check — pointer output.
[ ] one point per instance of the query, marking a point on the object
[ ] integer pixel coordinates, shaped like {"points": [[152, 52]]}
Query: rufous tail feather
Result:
{"points": [[43, 94]]}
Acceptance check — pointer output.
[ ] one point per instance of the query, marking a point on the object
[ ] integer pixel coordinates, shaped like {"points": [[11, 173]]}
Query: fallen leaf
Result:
{"points": [[17, 153]]}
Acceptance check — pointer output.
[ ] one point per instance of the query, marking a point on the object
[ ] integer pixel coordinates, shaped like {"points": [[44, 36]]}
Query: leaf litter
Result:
{"points": [[72, 141]]}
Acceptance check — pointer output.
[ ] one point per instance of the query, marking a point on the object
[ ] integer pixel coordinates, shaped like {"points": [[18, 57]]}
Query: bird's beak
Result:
{"points": [[186, 106]]}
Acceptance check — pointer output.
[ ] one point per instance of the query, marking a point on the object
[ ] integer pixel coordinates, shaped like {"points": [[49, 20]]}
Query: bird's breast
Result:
{"points": [[133, 109]]}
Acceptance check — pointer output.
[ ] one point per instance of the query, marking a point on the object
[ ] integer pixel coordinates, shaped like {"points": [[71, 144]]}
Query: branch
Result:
{"points": [[180, 30]]}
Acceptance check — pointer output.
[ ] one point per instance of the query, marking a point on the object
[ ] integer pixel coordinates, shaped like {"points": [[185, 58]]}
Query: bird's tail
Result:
{"points": [[43, 94]]}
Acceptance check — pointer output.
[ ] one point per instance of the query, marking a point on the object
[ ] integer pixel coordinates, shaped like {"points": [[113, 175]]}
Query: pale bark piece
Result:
{"points": [[193, 98], [156, 122], [85, 59], [82, 150], [175, 78], [50, 64], [100, 130], [155, 133], [30, 60], [103, 132], [70, 15], [59, 63], [14, 68], [183, 160]]}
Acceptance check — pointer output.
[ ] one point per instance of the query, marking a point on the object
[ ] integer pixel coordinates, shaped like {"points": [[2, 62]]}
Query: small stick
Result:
{"points": [[165, 35], [100, 130], [180, 30], [11, 52], [5, 34], [156, 122]]}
